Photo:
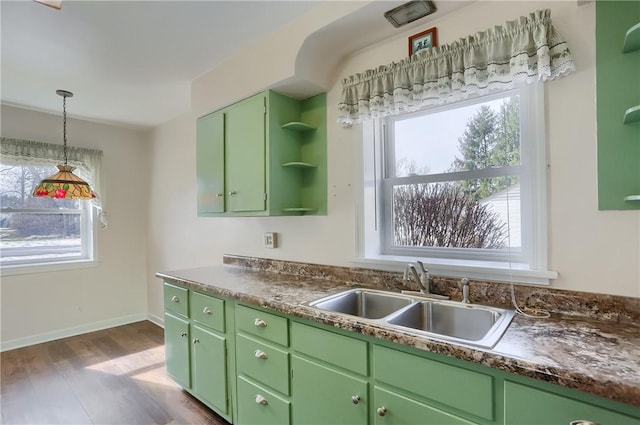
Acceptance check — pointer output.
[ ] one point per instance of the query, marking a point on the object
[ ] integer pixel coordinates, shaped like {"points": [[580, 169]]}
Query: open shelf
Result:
{"points": [[632, 198], [299, 165], [298, 126], [632, 115], [632, 39]]}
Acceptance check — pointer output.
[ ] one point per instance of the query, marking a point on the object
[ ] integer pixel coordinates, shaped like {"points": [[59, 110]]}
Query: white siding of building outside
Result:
{"points": [[506, 204]]}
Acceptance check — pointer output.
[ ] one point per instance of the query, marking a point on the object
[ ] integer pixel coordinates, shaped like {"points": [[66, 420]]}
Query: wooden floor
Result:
{"points": [[114, 376]]}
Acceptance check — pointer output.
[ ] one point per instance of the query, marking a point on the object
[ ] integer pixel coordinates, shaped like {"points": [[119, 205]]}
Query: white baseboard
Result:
{"points": [[155, 319], [77, 330]]}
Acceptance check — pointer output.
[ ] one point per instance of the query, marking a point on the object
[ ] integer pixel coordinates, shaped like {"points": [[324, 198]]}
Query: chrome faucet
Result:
{"points": [[420, 273], [417, 270]]}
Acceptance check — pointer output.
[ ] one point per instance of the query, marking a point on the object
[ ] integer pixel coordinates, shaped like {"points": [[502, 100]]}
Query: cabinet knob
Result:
{"points": [[183, 334], [219, 195], [207, 310], [381, 411], [260, 354], [233, 193], [260, 323], [196, 340], [175, 299], [261, 400], [355, 399], [583, 422]]}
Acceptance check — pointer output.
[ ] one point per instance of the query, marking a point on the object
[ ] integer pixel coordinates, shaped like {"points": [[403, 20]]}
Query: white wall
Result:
{"points": [[44, 306], [593, 251]]}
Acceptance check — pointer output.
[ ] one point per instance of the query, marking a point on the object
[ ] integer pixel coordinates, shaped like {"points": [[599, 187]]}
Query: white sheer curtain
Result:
{"points": [[528, 49], [88, 163]]}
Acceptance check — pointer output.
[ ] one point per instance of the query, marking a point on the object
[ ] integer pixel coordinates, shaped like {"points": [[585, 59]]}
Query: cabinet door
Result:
{"points": [[395, 409], [176, 339], [323, 395], [530, 406], [209, 367], [210, 163], [245, 155]]}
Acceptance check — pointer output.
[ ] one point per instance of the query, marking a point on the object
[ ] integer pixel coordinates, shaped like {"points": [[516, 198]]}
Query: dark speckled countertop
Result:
{"points": [[596, 356]]}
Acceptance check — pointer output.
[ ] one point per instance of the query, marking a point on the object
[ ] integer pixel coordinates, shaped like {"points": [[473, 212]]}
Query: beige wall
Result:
{"points": [[43, 306], [154, 226], [593, 251]]}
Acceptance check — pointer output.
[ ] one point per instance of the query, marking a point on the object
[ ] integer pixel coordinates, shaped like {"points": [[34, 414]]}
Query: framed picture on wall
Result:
{"points": [[423, 40]]}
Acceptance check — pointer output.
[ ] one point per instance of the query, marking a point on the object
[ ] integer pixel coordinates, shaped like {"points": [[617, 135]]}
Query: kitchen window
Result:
{"points": [[460, 186], [38, 230]]}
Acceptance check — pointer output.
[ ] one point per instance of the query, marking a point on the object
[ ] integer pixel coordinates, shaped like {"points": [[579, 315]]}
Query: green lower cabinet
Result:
{"points": [[531, 406], [176, 341], [323, 395], [454, 388], [209, 368], [395, 409], [257, 367], [259, 406], [263, 362]]}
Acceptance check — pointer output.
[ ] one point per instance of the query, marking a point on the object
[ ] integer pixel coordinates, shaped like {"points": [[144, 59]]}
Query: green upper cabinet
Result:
{"points": [[244, 159], [265, 155], [618, 104], [210, 163]]}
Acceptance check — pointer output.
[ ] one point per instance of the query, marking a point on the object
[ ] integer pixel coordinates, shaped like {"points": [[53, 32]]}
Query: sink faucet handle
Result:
{"points": [[421, 266], [465, 290]]}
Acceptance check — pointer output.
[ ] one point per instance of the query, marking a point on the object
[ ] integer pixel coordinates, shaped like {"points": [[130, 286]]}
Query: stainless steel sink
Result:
{"points": [[469, 324], [465, 323], [369, 304]]}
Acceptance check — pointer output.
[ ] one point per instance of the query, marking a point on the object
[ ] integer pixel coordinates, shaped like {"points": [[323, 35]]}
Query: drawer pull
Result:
{"points": [[261, 400], [583, 422], [260, 354], [355, 399], [175, 299], [207, 310], [260, 323], [381, 411], [183, 334], [196, 340]]}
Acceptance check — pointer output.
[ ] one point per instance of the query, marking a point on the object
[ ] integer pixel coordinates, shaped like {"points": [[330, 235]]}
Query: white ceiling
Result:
{"points": [[128, 62], [132, 62]]}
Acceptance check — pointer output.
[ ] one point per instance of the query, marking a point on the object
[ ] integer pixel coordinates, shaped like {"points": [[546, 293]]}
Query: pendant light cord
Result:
{"points": [[64, 126], [65, 94]]}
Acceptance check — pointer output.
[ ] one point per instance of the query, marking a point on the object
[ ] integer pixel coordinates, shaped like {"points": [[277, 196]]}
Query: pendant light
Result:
{"points": [[64, 184]]}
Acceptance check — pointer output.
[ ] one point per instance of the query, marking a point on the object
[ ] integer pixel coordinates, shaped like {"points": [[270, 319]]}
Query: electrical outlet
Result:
{"points": [[270, 240]]}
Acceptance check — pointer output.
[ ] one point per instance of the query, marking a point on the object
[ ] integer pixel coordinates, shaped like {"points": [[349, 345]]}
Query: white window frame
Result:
{"points": [[88, 257], [526, 266]]}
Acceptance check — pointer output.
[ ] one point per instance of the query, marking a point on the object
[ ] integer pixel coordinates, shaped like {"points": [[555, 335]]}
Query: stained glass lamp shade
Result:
{"points": [[64, 184]]}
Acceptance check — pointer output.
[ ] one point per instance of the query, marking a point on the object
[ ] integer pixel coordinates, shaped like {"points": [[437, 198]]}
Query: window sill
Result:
{"points": [[479, 270], [46, 267]]}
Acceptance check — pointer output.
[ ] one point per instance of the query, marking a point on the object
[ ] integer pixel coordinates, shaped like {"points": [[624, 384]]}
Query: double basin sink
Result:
{"points": [[451, 321]]}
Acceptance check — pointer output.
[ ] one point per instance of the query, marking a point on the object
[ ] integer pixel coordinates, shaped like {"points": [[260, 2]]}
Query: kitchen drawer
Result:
{"points": [[530, 406], [258, 406], [265, 325], [207, 310], [462, 389], [343, 351], [263, 362], [176, 299], [395, 409]]}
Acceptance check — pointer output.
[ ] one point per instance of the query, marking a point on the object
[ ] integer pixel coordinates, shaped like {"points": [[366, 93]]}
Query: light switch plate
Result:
{"points": [[270, 240]]}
